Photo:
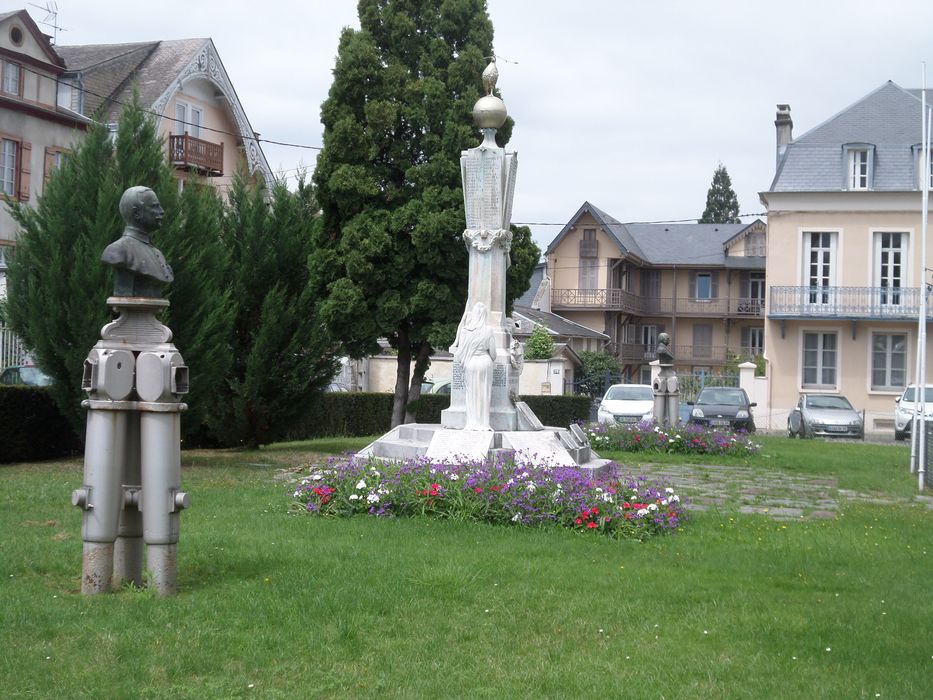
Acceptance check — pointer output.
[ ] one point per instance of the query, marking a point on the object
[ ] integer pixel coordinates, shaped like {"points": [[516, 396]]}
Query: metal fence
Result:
{"points": [[11, 349], [692, 383]]}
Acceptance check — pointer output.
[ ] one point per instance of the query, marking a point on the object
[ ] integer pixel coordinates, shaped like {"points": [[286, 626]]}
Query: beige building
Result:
{"points": [[49, 94], [844, 256], [704, 284]]}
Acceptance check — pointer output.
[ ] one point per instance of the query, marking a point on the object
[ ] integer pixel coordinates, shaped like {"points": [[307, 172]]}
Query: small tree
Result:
{"points": [[722, 206], [540, 345]]}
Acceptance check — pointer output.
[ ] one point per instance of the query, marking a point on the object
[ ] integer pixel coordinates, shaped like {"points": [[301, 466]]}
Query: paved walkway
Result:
{"points": [[776, 494]]}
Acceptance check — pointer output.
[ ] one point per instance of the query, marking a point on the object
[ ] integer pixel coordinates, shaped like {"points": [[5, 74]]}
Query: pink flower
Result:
{"points": [[591, 525]]}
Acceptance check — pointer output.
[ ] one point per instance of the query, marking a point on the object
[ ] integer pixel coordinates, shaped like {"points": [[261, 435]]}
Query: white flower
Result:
{"points": [[354, 497], [663, 501], [675, 498], [516, 517], [653, 506], [374, 472], [597, 489], [372, 498], [642, 511], [607, 497], [453, 477], [361, 485], [317, 477], [531, 486], [304, 481], [669, 490], [297, 493]]}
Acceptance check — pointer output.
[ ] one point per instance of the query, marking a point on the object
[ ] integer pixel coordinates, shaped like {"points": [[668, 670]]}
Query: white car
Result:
{"points": [[626, 403], [904, 413]]}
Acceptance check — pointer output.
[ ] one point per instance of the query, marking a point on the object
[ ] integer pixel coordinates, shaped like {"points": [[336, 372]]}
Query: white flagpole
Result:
{"points": [[925, 210]]}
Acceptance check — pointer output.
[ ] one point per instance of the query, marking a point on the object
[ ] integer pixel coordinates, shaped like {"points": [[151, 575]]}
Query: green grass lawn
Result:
{"points": [[278, 605]]}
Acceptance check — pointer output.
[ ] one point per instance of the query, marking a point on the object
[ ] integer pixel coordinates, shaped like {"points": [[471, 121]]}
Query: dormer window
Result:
{"points": [[858, 160], [919, 167]]}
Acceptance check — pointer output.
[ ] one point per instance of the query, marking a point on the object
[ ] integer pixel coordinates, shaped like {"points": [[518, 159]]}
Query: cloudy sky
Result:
{"points": [[628, 104]]}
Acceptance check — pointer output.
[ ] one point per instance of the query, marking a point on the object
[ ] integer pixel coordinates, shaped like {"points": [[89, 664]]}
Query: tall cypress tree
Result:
{"points": [[389, 258], [280, 350], [57, 285], [722, 206]]}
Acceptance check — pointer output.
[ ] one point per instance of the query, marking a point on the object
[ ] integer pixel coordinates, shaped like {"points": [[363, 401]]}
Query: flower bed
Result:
{"points": [[649, 437], [506, 492]]}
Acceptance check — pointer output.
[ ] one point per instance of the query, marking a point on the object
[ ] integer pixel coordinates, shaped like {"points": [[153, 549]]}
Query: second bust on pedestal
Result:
{"points": [[140, 269]]}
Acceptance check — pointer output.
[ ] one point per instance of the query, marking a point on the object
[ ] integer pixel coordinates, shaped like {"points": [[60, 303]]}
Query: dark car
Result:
{"points": [[24, 374], [723, 407], [824, 415]]}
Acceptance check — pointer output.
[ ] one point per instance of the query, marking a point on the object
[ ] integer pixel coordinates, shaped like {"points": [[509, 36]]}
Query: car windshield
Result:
{"points": [[721, 397], [630, 393], [910, 392], [840, 403]]}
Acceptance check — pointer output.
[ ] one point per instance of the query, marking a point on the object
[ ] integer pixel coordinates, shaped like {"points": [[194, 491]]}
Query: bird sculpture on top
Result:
{"points": [[490, 75]]}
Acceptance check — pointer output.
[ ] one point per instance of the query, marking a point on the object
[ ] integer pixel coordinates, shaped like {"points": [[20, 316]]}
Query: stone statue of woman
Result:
{"points": [[476, 351]]}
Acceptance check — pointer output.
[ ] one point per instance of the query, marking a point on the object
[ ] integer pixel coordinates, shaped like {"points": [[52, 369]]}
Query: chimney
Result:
{"points": [[784, 126]]}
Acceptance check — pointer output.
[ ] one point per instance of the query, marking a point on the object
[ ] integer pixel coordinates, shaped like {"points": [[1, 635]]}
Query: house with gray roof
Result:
{"points": [[845, 269], [704, 284]]}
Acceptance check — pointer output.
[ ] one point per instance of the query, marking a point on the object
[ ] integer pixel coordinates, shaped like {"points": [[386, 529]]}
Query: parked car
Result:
{"points": [[721, 407], [906, 405], [824, 415], [626, 403], [442, 386], [29, 375]]}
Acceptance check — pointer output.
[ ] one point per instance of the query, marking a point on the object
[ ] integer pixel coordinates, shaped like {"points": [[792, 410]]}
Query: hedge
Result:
{"points": [[31, 428], [354, 414]]}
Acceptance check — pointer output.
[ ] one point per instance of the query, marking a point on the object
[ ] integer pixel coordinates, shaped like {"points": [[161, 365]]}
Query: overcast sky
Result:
{"points": [[628, 104]]}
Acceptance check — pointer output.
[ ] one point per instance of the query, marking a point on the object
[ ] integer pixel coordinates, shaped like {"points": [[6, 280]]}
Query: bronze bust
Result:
{"points": [[139, 268]]}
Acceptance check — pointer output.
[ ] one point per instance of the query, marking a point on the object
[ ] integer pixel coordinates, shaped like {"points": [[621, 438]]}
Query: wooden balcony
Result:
{"points": [[189, 153], [846, 303], [627, 302]]}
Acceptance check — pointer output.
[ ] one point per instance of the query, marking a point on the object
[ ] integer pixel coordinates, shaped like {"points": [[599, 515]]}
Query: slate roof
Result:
{"points": [[528, 297], [110, 71], [557, 325], [663, 244], [887, 118]]}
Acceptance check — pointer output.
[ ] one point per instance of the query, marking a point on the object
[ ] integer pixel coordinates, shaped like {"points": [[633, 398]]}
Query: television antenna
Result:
{"points": [[51, 18]]}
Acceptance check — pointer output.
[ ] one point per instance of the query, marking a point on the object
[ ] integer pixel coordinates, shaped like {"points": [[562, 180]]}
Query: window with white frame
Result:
{"points": [[589, 267], [888, 361], [188, 119], [820, 359], [858, 173], [12, 81], [753, 341], [8, 153], [890, 258], [819, 264], [703, 286]]}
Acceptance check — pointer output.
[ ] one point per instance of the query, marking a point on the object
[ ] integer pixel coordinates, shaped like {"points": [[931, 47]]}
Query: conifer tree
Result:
{"points": [[389, 258], [722, 206], [57, 286], [280, 351]]}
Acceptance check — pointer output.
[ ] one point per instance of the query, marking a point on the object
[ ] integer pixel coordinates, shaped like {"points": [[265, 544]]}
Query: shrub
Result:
{"points": [[540, 345], [685, 439], [31, 426], [507, 492], [559, 411]]}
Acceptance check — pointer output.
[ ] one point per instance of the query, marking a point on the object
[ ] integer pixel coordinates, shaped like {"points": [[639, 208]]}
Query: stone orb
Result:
{"points": [[489, 112]]}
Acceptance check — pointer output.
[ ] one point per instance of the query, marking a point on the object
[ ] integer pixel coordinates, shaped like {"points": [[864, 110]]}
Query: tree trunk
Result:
{"points": [[402, 374], [422, 363]]}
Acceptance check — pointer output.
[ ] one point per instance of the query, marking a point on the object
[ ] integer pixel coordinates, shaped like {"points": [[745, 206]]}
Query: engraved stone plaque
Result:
{"points": [[456, 380], [464, 445], [499, 375], [541, 448]]}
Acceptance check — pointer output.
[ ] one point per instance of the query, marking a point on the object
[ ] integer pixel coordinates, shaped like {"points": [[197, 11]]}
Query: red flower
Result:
{"points": [[586, 512], [579, 521], [591, 525], [435, 487], [626, 505], [595, 511], [478, 489]]}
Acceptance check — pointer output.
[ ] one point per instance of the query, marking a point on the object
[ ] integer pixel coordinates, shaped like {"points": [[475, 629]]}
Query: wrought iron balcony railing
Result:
{"points": [[620, 300], [188, 152], [894, 303], [640, 353]]}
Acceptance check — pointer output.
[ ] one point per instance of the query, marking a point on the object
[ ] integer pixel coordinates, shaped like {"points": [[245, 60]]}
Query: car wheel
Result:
{"points": [[899, 435], [791, 433]]}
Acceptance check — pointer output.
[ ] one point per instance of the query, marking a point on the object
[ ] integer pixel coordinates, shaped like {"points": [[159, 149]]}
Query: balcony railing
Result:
{"points": [[189, 152], [902, 303], [620, 300], [641, 353]]}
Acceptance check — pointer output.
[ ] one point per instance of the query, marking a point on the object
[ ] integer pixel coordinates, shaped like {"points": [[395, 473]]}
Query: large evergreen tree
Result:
{"points": [[57, 285], [280, 350], [722, 206], [388, 255]]}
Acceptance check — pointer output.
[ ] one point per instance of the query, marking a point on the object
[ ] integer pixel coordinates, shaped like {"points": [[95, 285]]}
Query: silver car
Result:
{"points": [[824, 415]]}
